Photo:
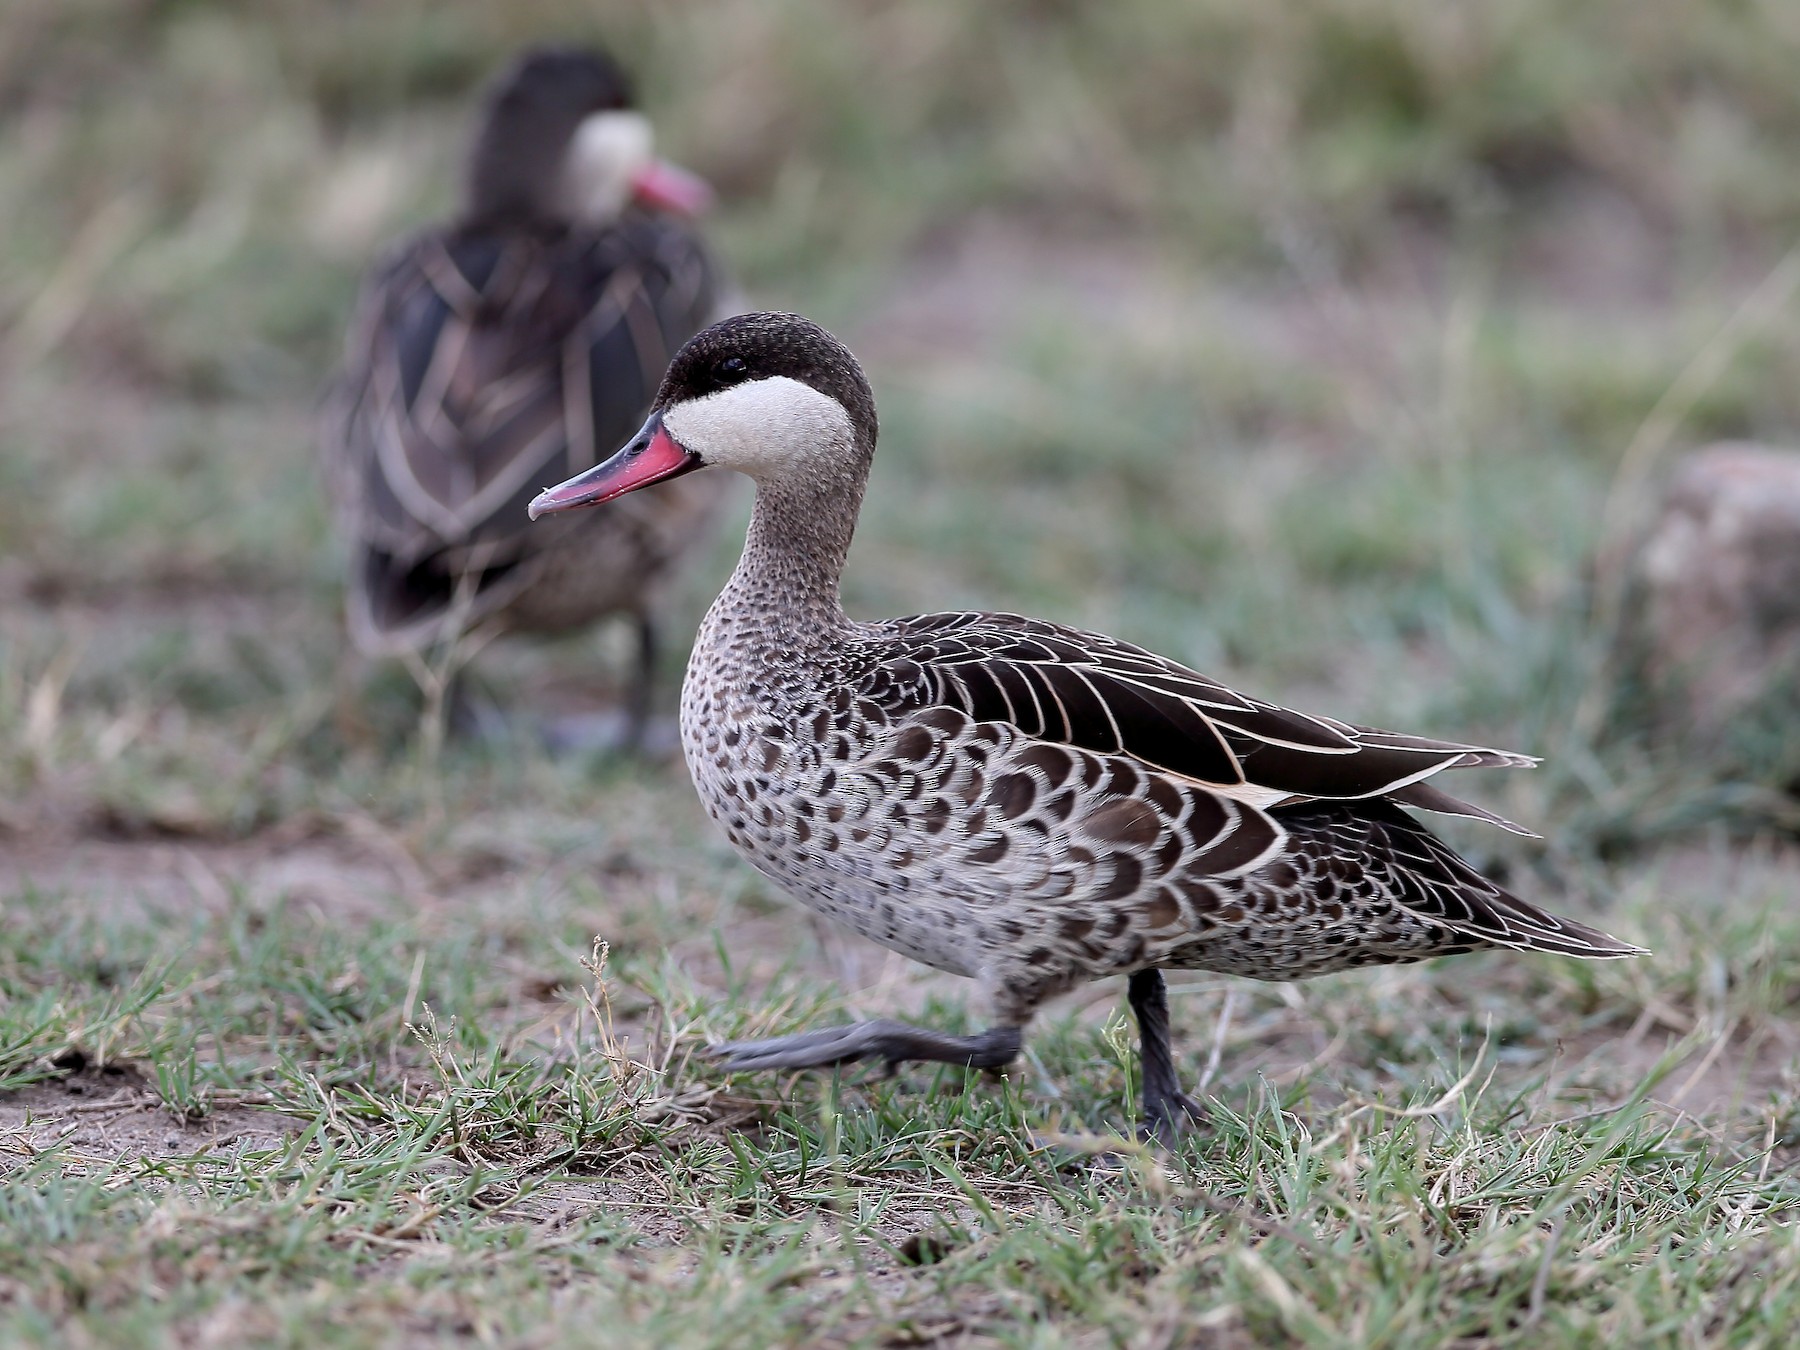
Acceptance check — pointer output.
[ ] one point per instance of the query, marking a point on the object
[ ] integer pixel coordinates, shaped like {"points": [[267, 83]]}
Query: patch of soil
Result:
{"points": [[136, 878], [109, 1115]]}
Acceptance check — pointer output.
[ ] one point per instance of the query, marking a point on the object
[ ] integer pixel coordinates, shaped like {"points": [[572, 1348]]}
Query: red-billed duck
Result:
{"points": [[1013, 800], [521, 341]]}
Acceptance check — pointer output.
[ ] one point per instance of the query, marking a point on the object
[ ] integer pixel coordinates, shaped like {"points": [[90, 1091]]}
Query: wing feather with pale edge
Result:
{"points": [[1426, 877], [1086, 690]]}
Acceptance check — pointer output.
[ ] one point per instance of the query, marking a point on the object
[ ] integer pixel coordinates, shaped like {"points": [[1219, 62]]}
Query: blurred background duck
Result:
{"points": [[515, 345]]}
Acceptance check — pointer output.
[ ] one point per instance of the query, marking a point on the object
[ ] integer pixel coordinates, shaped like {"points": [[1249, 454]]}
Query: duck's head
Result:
{"points": [[771, 395], [560, 139]]}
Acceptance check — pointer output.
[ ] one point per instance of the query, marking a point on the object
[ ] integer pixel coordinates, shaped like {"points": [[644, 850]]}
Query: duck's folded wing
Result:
{"points": [[1077, 688], [480, 368], [452, 394]]}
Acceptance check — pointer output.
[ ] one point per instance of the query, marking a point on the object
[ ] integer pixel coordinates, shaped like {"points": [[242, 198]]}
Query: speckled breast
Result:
{"points": [[803, 796]]}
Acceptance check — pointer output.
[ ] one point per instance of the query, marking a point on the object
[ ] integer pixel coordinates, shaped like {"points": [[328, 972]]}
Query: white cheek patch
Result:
{"points": [[604, 154], [769, 429]]}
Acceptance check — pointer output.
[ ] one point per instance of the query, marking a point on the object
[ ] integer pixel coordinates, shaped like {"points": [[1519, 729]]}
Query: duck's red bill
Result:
{"points": [[652, 456], [669, 187]]}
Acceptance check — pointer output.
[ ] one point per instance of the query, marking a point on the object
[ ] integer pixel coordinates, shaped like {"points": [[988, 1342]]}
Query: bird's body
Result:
{"points": [[482, 362], [521, 341], [1012, 800], [981, 847]]}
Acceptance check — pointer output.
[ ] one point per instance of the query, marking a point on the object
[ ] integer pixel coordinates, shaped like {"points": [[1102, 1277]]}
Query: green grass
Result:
{"points": [[1303, 342], [446, 1121]]}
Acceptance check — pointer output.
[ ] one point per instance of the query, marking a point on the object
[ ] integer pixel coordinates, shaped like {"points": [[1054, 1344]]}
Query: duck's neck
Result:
{"points": [[512, 176], [786, 584]]}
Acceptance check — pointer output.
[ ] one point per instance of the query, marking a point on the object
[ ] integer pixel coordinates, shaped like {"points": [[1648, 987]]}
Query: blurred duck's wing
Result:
{"points": [[479, 367]]}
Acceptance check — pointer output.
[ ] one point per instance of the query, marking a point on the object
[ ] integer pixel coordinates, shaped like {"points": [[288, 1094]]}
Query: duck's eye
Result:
{"points": [[732, 369]]}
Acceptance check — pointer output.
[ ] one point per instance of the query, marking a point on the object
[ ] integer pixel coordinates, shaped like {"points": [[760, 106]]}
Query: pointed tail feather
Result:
{"points": [[1537, 930], [1473, 757], [1435, 883], [1424, 797]]}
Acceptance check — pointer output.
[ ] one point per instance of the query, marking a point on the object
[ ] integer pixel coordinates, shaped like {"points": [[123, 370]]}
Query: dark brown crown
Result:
{"points": [[530, 112], [761, 346]]}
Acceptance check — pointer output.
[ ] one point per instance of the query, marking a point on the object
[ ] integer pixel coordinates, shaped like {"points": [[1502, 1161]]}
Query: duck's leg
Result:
{"points": [[620, 731], [469, 713], [640, 695], [1168, 1111], [894, 1042]]}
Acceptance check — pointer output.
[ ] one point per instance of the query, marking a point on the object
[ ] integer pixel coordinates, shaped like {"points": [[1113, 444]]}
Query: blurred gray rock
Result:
{"points": [[1719, 577]]}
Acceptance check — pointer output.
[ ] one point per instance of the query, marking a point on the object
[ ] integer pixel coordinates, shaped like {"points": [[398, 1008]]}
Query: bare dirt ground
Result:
{"points": [[111, 1116]]}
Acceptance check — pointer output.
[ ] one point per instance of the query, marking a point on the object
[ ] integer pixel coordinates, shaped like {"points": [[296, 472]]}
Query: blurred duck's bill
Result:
{"points": [[652, 456], [669, 187]]}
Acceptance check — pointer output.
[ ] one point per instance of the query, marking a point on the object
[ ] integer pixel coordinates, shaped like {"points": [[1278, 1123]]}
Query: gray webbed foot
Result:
{"points": [[1169, 1117], [894, 1043]]}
